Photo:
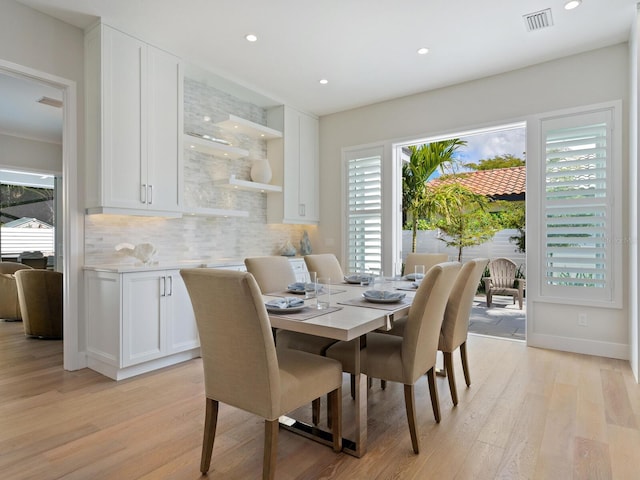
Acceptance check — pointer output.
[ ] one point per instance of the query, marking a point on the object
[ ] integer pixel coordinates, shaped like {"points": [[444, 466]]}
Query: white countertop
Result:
{"points": [[139, 267]]}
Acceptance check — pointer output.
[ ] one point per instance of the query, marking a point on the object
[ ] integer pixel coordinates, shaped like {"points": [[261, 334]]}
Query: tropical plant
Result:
{"points": [[423, 163], [513, 215], [465, 222], [499, 161]]}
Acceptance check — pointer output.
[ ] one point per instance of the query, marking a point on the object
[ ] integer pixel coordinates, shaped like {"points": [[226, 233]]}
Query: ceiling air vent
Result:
{"points": [[538, 20]]}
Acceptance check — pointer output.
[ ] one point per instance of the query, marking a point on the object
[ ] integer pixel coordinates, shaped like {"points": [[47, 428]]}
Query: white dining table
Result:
{"points": [[349, 318]]}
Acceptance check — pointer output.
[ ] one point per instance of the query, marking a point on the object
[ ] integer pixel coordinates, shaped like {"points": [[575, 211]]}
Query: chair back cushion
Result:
{"points": [[422, 330], [12, 267], [40, 296], [325, 265], [456, 315], [502, 272], [273, 274], [426, 259], [237, 347]]}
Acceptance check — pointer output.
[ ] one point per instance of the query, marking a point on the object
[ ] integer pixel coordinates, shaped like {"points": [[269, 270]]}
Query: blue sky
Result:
{"points": [[489, 144]]}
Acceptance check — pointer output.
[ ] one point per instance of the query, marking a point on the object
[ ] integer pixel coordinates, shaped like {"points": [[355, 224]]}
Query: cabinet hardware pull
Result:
{"points": [[170, 294], [143, 193], [163, 290], [150, 194]]}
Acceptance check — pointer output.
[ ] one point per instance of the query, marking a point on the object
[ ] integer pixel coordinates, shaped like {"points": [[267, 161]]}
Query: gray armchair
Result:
{"points": [[9, 304], [40, 296]]}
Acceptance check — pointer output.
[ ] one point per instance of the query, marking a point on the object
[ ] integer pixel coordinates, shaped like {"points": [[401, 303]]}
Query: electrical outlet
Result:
{"points": [[582, 319]]}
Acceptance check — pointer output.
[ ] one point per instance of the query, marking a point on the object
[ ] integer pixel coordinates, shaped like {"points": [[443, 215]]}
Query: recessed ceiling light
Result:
{"points": [[571, 4], [207, 118], [423, 51], [251, 37], [324, 81]]}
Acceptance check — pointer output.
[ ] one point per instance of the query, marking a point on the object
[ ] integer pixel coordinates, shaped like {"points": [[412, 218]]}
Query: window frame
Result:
{"points": [[612, 294]]}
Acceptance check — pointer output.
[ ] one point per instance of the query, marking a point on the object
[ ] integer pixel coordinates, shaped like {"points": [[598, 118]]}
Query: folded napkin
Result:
{"points": [[298, 286], [413, 276], [383, 295], [285, 302], [358, 278]]}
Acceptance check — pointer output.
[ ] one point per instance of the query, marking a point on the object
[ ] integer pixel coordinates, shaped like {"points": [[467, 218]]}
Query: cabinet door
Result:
{"points": [[122, 148], [308, 186], [183, 332], [164, 130], [143, 319]]}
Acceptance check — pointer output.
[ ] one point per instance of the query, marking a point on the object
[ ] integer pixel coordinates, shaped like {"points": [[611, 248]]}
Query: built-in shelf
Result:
{"points": [[234, 183], [214, 212], [249, 128], [213, 148]]}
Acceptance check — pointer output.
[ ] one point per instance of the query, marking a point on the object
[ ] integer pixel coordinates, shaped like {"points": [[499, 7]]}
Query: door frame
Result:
{"points": [[72, 227]]}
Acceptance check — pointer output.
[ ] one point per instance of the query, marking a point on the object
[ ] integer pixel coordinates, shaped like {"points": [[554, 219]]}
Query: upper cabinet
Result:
{"points": [[294, 159], [134, 125]]}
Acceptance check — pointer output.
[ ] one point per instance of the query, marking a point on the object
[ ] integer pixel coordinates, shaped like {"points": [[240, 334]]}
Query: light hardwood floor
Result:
{"points": [[529, 413]]}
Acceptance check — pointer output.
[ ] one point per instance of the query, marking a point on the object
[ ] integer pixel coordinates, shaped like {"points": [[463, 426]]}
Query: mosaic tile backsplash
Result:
{"points": [[201, 238]]}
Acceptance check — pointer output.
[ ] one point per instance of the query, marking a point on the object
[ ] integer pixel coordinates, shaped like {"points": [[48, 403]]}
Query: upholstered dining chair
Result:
{"points": [[273, 274], [455, 325], [40, 296], [426, 259], [269, 382], [405, 359], [325, 265], [9, 304], [502, 281]]}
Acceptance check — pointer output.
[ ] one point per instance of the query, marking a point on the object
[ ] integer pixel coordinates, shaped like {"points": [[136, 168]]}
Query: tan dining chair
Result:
{"points": [[273, 274], [268, 382], [325, 265], [9, 304], [455, 325], [40, 296], [405, 359], [502, 281], [426, 259]]}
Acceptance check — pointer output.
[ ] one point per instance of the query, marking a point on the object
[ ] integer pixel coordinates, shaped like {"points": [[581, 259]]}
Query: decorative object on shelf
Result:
{"points": [[143, 251], [261, 171], [305, 244], [288, 250]]}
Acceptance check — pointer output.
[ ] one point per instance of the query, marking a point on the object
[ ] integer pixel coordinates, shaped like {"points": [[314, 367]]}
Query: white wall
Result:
{"points": [[592, 77], [634, 184], [30, 154]]}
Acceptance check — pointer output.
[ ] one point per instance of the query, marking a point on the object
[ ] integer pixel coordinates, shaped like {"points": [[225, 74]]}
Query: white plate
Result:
{"points": [[295, 309], [356, 279], [394, 298], [296, 291]]}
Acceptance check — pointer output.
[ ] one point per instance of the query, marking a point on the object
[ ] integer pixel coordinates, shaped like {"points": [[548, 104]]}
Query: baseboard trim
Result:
{"points": [[579, 345]]}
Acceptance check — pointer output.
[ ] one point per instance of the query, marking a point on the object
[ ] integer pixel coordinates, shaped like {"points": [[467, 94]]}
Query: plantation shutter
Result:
{"points": [[577, 201], [364, 213]]}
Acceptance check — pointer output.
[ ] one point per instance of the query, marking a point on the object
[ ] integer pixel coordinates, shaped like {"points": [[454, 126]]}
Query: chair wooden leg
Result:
{"points": [[465, 363], [488, 300], [383, 384], [270, 449], [410, 405], [433, 391], [353, 387], [335, 402], [315, 411], [210, 422], [448, 366]]}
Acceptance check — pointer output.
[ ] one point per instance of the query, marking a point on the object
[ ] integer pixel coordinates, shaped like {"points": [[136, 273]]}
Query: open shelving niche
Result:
{"points": [[236, 125]]}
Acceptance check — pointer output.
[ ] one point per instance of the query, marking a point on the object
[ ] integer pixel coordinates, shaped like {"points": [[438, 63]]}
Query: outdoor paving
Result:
{"points": [[503, 319]]}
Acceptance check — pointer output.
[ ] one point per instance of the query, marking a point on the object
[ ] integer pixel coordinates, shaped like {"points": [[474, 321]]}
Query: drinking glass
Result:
{"points": [[419, 273], [311, 287], [323, 293]]}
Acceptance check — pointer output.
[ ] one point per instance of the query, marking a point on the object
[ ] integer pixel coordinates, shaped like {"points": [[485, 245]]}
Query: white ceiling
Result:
{"points": [[365, 48]]}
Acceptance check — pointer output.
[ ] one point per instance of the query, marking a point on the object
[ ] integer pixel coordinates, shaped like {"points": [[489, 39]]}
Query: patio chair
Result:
{"points": [[502, 281]]}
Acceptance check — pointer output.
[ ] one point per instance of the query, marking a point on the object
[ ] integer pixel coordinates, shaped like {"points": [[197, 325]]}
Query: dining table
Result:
{"points": [[350, 316]]}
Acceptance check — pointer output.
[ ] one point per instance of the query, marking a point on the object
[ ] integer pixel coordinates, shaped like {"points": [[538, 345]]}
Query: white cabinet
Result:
{"points": [[134, 125], [138, 321], [294, 159]]}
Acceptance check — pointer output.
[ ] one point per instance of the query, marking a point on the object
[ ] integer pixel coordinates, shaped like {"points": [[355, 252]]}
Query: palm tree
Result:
{"points": [[423, 163]]}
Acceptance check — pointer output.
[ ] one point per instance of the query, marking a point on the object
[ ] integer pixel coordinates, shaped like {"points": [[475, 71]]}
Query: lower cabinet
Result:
{"points": [[138, 322]]}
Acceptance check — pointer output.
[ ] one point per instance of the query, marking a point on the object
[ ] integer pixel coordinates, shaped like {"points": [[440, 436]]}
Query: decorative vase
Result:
{"points": [[261, 171]]}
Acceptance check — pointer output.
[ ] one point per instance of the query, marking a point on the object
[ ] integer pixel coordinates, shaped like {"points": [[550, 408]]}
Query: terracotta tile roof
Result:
{"points": [[493, 183]]}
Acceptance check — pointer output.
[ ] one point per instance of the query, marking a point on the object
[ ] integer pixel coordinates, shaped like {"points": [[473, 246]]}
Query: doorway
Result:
{"points": [[491, 163], [71, 244]]}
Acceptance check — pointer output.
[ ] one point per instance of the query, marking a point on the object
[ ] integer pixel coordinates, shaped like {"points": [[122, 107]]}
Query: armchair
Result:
{"points": [[502, 281]]}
